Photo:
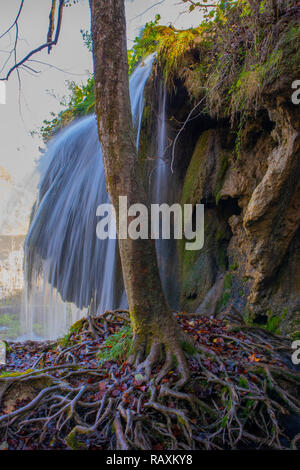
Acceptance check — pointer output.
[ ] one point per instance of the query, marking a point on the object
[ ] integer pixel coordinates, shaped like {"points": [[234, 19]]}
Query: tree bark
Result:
{"points": [[152, 320]]}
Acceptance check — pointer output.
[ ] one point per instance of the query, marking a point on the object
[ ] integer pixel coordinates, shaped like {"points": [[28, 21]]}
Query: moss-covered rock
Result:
{"points": [[192, 191], [207, 169], [199, 270]]}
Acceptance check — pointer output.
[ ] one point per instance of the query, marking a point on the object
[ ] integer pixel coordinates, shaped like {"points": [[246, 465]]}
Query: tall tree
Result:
{"points": [[154, 327]]}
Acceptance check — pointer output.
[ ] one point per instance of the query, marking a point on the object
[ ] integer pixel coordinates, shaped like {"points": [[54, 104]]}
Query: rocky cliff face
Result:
{"points": [[230, 82], [250, 262]]}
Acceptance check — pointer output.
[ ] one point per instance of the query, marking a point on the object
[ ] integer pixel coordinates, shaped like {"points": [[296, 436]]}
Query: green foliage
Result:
{"points": [[274, 321], [80, 103], [170, 45], [65, 340], [228, 60], [273, 324], [87, 39], [144, 44], [81, 99], [224, 422], [252, 79], [116, 347], [234, 56], [250, 406], [243, 382], [173, 49]]}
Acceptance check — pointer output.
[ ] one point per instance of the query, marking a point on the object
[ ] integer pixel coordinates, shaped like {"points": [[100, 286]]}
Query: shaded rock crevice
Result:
{"points": [[252, 218]]}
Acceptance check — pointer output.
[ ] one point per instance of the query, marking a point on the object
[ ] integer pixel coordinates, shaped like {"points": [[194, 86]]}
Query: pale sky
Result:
{"points": [[40, 92]]}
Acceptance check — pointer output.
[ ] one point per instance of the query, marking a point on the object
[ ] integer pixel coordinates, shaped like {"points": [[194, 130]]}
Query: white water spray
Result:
{"points": [[164, 190], [67, 268]]}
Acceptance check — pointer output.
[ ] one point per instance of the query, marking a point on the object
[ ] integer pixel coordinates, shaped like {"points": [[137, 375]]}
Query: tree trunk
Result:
{"points": [[152, 320]]}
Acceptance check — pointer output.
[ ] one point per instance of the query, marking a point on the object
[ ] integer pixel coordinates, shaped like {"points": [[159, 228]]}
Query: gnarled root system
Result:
{"points": [[239, 386]]}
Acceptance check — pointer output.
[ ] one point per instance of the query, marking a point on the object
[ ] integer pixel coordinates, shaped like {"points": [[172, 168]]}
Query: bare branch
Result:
{"points": [[48, 44], [147, 9], [56, 68], [15, 21]]}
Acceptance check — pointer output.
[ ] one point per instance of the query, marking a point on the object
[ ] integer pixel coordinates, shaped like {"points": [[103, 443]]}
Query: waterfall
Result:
{"points": [[165, 190], [67, 269]]}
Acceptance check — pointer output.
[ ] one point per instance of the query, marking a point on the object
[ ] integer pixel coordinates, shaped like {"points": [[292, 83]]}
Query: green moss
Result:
{"points": [[224, 422], [295, 335], [195, 175], [73, 442], [243, 382], [173, 48], [223, 165], [290, 44], [231, 83], [116, 347], [226, 291], [250, 405], [273, 324], [190, 260], [16, 374], [65, 340], [228, 281], [233, 266], [189, 348], [274, 321], [252, 79], [77, 326]]}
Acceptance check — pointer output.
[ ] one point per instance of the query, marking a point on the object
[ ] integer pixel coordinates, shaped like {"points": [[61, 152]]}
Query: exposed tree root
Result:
{"points": [[230, 401], [165, 350]]}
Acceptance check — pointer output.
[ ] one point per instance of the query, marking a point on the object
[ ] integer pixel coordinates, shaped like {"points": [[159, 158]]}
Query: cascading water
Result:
{"points": [[164, 190], [67, 268]]}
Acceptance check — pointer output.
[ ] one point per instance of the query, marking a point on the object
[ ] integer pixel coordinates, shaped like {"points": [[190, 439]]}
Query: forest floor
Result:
{"points": [[80, 393]]}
